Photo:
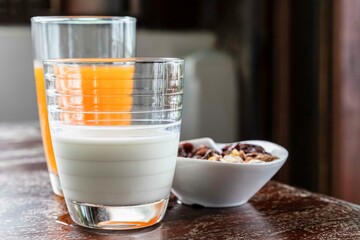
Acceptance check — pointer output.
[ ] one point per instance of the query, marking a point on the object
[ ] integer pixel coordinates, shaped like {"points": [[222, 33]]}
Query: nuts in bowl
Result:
{"points": [[224, 175], [235, 153]]}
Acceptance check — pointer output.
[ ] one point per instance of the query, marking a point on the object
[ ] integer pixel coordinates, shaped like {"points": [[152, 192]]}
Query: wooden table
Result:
{"points": [[29, 209]]}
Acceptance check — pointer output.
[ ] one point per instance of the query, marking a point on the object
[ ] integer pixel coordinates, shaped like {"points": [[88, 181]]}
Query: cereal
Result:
{"points": [[233, 153]]}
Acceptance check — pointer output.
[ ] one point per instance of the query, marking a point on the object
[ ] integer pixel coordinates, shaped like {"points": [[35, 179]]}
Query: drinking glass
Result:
{"points": [[115, 126], [75, 37]]}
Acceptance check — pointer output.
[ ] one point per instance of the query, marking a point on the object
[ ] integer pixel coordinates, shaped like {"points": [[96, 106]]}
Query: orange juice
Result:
{"points": [[98, 95], [44, 123], [84, 89]]}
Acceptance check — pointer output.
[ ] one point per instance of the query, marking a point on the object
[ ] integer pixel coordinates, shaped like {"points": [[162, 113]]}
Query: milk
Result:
{"points": [[115, 165]]}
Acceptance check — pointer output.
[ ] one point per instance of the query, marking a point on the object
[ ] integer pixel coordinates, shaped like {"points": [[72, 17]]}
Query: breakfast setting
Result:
{"points": [[145, 129]]}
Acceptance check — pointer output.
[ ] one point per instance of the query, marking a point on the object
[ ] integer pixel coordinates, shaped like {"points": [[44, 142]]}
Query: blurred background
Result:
{"points": [[280, 70]]}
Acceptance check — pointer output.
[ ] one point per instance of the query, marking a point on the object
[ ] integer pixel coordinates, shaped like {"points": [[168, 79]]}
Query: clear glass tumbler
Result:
{"points": [[75, 37], [115, 128]]}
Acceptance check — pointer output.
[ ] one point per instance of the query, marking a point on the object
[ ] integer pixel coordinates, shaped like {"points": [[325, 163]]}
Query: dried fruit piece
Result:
{"points": [[231, 159], [247, 148]]}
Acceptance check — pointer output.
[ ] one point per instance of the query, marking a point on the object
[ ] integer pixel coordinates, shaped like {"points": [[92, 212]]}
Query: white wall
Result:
{"points": [[210, 99], [17, 88]]}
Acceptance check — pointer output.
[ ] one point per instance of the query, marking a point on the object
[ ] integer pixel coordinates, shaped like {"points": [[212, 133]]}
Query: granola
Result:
{"points": [[233, 153]]}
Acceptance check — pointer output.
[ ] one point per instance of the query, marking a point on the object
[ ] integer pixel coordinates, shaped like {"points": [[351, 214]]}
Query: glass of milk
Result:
{"points": [[115, 127], [75, 37]]}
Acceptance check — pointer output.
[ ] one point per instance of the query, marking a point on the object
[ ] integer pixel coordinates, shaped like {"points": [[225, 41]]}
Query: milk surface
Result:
{"points": [[115, 165]]}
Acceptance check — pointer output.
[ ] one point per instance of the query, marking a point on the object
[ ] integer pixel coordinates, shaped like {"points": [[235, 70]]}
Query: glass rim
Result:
{"points": [[106, 61], [82, 19]]}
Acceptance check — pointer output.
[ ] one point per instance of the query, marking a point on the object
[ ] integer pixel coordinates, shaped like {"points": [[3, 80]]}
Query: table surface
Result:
{"points": [[29, 209]]}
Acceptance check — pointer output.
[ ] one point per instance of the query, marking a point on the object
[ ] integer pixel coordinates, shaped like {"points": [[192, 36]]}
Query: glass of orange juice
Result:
{"points": [[84, 37]]}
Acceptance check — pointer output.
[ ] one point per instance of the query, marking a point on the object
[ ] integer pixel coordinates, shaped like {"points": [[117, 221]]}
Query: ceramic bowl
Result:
{"points": [[223, 184]]}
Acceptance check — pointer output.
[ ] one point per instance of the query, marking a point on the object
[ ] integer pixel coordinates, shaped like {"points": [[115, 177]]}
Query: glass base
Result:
{"points": [[117, 217], [55, 184]]}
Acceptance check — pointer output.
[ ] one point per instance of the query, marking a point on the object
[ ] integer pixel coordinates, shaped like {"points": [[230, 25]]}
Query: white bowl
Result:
{"points": [[223, 184]]}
